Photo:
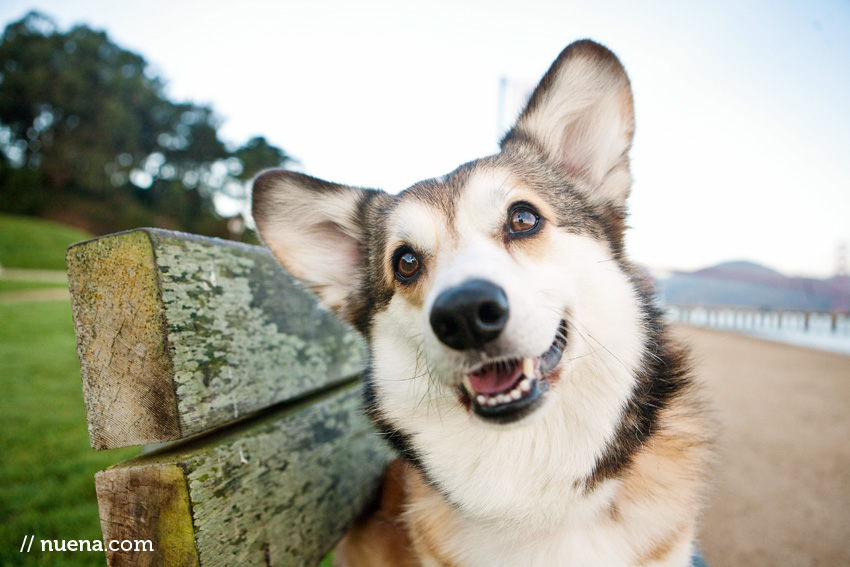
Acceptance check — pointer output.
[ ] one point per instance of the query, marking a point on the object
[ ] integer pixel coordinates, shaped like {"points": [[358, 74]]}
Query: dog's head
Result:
{"points": [[482, 292]]}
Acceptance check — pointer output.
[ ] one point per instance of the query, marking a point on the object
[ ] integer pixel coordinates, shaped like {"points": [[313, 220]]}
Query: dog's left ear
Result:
{"points": [[581, 116]]}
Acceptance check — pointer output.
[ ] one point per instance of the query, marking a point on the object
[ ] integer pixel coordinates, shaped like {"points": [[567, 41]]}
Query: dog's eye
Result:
{"points": [[407, 264], [523, 219]]}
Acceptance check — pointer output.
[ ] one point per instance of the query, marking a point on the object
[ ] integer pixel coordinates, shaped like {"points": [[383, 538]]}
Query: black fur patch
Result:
{"points": [[665, 374], [399, 441], [372, 294]]}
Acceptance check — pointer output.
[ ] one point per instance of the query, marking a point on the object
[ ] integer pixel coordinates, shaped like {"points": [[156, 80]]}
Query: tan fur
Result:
{"points": [[410, 528], [668, 480], [381, 540], [432, 523]]}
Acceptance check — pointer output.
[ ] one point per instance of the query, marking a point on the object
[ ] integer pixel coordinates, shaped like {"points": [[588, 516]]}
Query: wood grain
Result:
{"points": [[280, 489], [179, 334]]}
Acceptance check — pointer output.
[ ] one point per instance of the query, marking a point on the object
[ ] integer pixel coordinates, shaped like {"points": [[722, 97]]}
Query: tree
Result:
{"points": [[257, 154], [85, 128]]}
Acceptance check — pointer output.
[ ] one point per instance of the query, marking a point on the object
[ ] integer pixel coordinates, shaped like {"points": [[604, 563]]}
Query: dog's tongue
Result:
{"points": [[496, 378]]}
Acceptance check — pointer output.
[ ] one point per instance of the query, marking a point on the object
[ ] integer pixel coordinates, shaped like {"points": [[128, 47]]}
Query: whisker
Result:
{"points": [[586, 334]]}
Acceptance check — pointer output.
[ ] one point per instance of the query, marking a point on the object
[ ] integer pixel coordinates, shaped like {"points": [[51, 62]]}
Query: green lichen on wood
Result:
{"points": [[179, 335], [277, 490], [289, 503], [242, 333], [216, 330], [148, 504], [126, 366]]}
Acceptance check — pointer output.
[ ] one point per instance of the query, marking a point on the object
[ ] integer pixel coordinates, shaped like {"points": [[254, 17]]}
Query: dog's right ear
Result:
{"points": [[315, 229]]}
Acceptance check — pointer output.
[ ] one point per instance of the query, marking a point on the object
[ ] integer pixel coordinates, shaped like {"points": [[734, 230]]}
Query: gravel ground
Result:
{"points": [[782, 485]]}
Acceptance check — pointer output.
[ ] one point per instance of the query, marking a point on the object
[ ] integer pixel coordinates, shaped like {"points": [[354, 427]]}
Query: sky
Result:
{"points": [[742, 146]]}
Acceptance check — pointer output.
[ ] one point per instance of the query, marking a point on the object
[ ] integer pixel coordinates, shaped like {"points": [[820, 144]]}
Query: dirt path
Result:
{"points": [[35, 295], [782, 493], [50, 276], [41, 276]]}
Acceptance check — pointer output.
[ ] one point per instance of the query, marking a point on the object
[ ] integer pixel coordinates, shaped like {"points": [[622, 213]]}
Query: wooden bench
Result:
{"points": [[209, 348]]}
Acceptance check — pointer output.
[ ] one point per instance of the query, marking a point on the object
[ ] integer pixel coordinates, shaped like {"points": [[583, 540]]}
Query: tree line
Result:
{"points": [[89, 138]]}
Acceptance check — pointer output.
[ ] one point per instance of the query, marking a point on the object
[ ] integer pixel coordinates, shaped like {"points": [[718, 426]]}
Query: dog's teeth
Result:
{"points": [[519, 390], [528, 367]]}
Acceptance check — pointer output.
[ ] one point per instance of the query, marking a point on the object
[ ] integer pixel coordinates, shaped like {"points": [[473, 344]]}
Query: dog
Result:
{"points": [[541, 411]]}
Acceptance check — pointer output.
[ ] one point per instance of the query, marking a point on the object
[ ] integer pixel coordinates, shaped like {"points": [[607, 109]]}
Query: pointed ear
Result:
{"points": [[315, 229], [581, 116]]}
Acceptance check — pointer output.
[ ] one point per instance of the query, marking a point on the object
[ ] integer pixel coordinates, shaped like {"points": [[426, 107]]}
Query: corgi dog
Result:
{"points": [[541, 412]]}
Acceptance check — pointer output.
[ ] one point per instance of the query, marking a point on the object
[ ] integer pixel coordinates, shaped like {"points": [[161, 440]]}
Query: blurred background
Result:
{"points": [[119, 115]]}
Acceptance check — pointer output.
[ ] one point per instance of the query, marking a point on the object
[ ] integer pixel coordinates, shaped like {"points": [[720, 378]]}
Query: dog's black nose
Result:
{"points": [[470, 315]]}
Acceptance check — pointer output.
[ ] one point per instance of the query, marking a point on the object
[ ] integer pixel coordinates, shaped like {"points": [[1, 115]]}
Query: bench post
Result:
{"points": [[211, 347]]}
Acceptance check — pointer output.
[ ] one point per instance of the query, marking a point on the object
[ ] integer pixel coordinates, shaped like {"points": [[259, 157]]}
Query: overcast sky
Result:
{"points": [[742, 148]]}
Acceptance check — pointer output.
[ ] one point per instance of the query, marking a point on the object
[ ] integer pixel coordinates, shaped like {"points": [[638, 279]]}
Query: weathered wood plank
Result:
{"points": [[178, 334], [279, 490], [148, 506]]}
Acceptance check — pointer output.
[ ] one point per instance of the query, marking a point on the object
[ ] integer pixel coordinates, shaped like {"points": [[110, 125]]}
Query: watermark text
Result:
{"points": [[113, 545]]}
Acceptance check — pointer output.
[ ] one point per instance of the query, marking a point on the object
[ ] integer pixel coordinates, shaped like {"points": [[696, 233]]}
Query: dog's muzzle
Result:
{"points": [[473, 314]]}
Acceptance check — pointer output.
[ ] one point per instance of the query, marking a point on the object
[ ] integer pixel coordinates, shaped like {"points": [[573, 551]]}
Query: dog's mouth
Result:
{"points": [[505, 391]]}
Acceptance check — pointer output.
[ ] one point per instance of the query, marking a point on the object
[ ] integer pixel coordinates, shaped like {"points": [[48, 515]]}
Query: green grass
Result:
{"points": [[17, 285], [46, 464], [34, 244]]}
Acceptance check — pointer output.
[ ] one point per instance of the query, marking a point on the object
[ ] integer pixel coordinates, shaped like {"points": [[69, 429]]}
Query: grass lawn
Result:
{"points": [[31, 243], [16, 285], [46, 465]]}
